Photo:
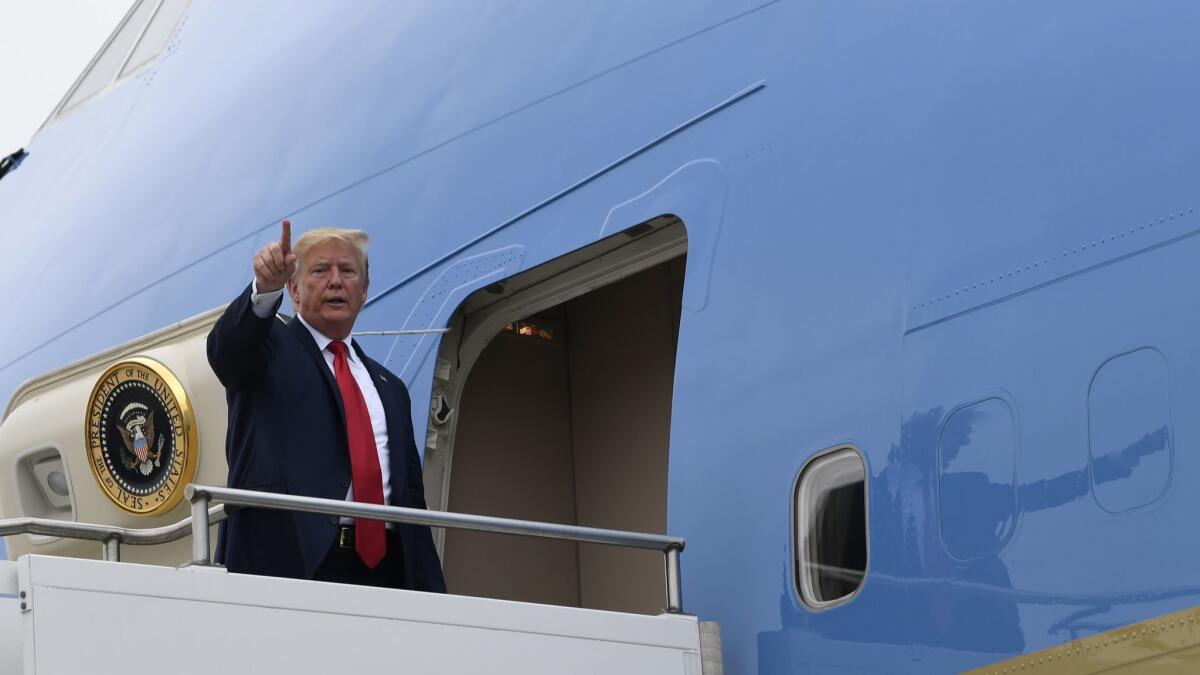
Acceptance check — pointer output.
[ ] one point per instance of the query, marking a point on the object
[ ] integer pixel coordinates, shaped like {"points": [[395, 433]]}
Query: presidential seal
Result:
{"points": [[141, 436]]}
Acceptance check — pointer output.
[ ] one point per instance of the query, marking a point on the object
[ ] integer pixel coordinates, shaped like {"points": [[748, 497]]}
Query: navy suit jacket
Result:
{"points": [[287, 434]]}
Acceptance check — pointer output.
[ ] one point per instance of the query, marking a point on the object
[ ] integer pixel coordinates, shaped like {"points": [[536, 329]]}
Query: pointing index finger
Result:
{"points": [[285, 237]]}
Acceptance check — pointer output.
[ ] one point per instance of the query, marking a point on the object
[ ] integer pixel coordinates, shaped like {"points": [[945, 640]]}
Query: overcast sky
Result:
{"points": [[44, 46]]}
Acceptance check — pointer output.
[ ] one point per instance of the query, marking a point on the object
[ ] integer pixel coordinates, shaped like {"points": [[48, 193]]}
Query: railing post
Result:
{"points": [[200, 548], [112, 549], [674, 582]]}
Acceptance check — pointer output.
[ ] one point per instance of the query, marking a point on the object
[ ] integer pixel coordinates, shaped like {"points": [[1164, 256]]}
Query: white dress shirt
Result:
{"points": [[263, 305]]}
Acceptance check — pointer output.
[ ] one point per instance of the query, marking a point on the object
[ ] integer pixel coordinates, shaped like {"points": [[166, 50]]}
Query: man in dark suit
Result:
{"points": [[310, 414]]}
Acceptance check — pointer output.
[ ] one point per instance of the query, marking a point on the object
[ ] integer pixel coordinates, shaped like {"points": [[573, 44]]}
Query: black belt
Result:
{"points": [[344, 536]]}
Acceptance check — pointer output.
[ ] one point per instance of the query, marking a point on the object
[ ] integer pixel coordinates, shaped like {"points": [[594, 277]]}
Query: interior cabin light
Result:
{"points": [[529, 329]]}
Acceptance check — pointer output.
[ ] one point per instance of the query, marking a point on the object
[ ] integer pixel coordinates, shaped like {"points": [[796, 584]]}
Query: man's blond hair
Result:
{"points": [[356, 239]]}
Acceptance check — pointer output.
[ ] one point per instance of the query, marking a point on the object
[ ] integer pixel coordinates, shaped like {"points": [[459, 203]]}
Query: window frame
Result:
{"points": [[66, 106], [128, 68], [813, 604]]}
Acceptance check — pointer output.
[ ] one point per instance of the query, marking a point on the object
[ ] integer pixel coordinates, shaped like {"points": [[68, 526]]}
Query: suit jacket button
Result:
{"points": [[346, 482], [333, 520]]}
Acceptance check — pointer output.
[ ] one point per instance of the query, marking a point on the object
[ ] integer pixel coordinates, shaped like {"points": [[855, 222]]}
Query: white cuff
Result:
{"points": [[263, 304]]}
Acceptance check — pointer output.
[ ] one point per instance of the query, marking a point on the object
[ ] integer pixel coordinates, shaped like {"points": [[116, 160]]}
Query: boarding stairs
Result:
{"points": [[64, 616]]}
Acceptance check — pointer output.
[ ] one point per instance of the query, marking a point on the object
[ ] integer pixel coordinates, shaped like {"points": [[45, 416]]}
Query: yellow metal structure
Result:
{"points": [[1167, 645]]}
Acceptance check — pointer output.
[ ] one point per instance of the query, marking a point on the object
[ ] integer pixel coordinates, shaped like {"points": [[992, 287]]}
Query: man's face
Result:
{"points": [[329, 288]]}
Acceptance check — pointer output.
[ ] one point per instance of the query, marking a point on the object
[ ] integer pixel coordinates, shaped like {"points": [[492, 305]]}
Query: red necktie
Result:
{"points": [[369, 540]]}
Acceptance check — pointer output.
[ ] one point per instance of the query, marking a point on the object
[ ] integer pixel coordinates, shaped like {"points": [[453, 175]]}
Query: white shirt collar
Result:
{"points": [[323, 340]]}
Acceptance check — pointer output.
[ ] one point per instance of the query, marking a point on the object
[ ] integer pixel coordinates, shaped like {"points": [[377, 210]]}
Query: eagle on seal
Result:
{"points": [[136, 424]]}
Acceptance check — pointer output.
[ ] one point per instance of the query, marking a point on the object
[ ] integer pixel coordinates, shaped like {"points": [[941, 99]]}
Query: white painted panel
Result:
{"points": [[8, 577], [91, 616], [10, 636]]}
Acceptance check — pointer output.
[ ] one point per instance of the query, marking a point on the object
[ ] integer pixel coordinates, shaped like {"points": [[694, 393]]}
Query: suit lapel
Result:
{"points": [[309, 345]]}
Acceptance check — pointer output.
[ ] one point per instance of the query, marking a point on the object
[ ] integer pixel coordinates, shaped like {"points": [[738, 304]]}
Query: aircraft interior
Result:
{"points": [[564, 416]]}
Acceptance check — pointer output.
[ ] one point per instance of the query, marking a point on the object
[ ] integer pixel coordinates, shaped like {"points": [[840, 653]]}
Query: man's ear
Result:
{"points": [[292, 288]]}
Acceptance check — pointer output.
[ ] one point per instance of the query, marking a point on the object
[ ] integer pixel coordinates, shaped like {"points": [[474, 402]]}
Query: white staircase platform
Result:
{"points": [[105, 617]]}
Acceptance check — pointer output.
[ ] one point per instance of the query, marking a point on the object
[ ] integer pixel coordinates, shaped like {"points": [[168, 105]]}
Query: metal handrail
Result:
{"points": [[200, 495], [111, 536]]}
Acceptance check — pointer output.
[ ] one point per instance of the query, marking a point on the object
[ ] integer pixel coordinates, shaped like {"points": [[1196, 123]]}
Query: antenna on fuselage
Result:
{"points": [[12, 161]]}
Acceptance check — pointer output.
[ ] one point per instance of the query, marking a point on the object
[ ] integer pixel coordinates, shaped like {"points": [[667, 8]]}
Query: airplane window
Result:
{"points": [[160, 30], [831, 528], [112, 56]]}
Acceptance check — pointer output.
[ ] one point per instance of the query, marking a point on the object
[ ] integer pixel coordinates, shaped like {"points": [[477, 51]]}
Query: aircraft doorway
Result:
{"points": [[556, 407]]}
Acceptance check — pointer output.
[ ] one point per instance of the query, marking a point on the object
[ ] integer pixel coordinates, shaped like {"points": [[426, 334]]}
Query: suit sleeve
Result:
{"points": [[237, 344], [424, 568], [416, 479]]}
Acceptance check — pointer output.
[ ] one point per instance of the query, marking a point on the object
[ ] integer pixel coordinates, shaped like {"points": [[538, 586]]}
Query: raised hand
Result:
{"points": [[275, 263]]}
